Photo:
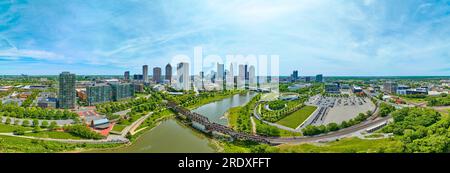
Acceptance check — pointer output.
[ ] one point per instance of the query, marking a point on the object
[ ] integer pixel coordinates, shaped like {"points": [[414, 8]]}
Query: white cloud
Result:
{"points": [[35, 54]]}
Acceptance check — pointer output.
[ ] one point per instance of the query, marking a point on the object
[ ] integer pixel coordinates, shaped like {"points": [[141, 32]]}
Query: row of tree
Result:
{"points": [[312, 130], [13, 110]]}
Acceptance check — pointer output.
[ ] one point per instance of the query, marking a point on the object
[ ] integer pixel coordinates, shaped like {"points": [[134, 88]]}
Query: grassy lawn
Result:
{"points": [[4, 128], [233, 115], [268, 130], [297, 118], [118, 127], [21, 145], [414, 100], [349, 145], [53, 134]]}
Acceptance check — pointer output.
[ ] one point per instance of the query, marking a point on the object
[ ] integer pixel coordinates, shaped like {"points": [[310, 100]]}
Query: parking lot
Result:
{"points": [[338, 109]]}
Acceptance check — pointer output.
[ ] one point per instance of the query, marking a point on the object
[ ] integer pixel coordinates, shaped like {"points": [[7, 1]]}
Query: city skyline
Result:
{"points": [[351, 38]]}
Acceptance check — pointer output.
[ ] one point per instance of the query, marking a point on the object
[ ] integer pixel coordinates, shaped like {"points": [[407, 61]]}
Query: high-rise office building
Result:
{"points": [[183, 78], [295, 75], [138, 77], [230, 78], [252, 77], [157, 75], [169, 73], [241, 77], [67, 93], [126, 75], [145, 73], [319, 78], [98, 93], [220, 72], [220, 77], [390, 87], [246, 72]]}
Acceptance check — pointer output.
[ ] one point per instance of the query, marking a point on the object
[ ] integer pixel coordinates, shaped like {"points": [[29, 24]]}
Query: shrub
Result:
{"points": [[82, 131]]}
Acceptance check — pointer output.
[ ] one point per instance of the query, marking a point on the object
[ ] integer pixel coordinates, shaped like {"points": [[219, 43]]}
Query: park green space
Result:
{"points": [[10, 144], [53, 135], [118, 127], [268, 130], [414, 100], [346, 145], [6, 128], [298, 117]]}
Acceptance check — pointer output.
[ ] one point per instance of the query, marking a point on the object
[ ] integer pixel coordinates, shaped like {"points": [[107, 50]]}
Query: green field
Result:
{"points": [[118, 127], [297, 118], [4, 128], [414, 100], [53, 134], [21, 145], [347, 145]]}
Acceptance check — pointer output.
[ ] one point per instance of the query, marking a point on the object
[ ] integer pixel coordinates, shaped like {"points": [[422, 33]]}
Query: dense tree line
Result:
{"points": [[190, 98], [112, 107], [312, 130], [13, 110], [442, 100], [83, 132], [386, 109], [421, 130], [277, 105]]}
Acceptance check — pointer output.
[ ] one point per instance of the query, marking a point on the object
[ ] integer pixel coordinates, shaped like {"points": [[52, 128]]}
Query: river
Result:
{"points": [[172, 137]]}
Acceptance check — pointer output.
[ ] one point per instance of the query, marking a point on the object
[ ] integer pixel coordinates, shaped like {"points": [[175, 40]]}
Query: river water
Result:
{"points": [[173, 137]]}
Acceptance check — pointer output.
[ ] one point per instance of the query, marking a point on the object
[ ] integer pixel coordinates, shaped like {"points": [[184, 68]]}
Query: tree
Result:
{"points": [[44, 124], [332, 127], [36, 129], [35, 123], [53, 126], [8, 121], [19, 131], [25, 123]]}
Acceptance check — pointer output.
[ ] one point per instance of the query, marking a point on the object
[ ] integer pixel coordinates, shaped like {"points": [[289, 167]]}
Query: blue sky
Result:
{"points": [[333, 37]]}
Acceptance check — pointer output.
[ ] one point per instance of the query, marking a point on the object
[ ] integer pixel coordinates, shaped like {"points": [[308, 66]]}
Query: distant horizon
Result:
{"points": [[338, 38], [325, 76]]}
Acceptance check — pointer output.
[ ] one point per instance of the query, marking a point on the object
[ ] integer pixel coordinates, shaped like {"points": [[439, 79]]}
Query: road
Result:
{"points": [[333, 135], [131, 128]]}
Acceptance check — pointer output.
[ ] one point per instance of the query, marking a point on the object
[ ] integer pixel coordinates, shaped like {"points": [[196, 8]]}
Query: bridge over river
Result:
{"points": [[211, 126]]}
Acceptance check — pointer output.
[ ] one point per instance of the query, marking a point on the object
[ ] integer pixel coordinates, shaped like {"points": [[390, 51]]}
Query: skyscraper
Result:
{"points": [[319, 78], [145, 73], [183, 77], [230, 78], [295, 75], [157, 75], [241, 77], [126, 75], [169, 73], [67, 93], [252, 76], [220, 72], [220, 78]]}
